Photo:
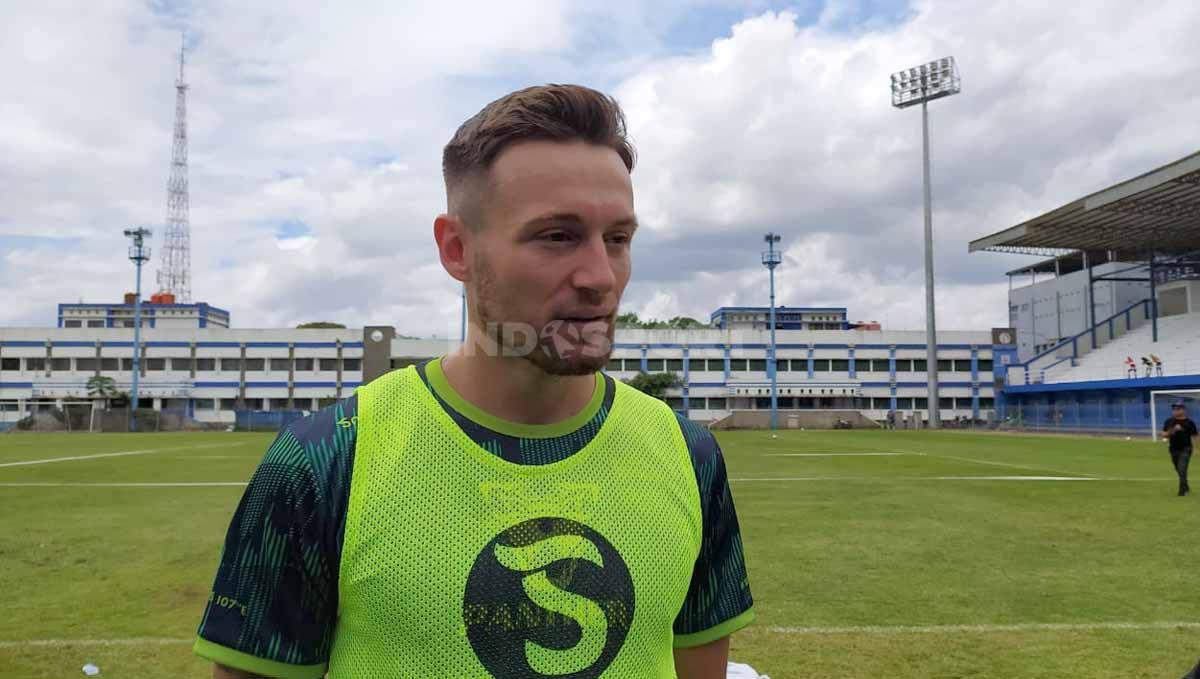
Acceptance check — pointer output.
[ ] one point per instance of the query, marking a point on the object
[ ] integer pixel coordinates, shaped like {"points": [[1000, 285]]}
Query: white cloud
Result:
{"points": [[335, 118]]}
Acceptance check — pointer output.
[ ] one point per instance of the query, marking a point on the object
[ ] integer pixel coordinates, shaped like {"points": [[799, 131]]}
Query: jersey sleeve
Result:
{"points": [[273, 606], [718, 601]]}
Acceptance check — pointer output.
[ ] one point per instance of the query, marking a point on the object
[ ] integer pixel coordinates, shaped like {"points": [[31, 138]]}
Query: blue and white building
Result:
{"points": [[209, 373]]}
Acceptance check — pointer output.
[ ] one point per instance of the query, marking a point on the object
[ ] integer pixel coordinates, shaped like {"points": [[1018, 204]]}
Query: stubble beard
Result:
{"points": [[555, 348]]}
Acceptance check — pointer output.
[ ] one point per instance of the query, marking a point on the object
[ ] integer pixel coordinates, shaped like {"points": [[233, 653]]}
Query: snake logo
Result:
{"points": [[548, 597]]}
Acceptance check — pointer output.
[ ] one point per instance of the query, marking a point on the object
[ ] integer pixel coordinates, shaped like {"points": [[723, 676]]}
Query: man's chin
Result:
{"points": [[560, 366]]}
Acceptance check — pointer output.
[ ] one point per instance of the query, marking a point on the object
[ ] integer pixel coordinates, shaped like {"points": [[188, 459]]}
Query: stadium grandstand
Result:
{"points": [[1111, 332]]}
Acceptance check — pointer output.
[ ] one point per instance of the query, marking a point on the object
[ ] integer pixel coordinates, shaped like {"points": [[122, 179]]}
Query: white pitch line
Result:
{"points": [[878, 630], [946, 478], [56, 643], [873, 630], [834, 454], [1003, 464], [181, 484], [97, 456]]}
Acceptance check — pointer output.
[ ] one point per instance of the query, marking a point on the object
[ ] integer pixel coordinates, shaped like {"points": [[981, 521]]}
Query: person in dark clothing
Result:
{"points": [[1194, 674], [1179, 431]]}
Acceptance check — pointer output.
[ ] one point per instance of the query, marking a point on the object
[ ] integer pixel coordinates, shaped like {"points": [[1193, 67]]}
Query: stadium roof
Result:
{"points": [[1157, 211]]}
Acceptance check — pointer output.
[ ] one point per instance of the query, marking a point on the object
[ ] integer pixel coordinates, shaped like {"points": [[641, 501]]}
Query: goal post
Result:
{"points": [[1160, 406]]}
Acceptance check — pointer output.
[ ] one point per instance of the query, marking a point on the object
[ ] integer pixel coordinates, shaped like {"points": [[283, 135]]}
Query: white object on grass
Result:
{"points": [[91, 670], [737, 670]]}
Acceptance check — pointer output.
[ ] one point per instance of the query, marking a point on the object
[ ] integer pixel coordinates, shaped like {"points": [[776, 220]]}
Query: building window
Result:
{"points": [[696, 365], [675, 365], [716, 365], [758, 365], [985, 365], [737, 365], [615, 365], [946, 403], [279, 404], [127, 364], [302, 404], [945, 365], [231, 365], [654, 365], [35, 364], [821, 365], [85, 364], [351, 364], [841, 365], [904, 403], [329, 364], [920, 365], [675, 402], [253, 404], [10, 364], [95, 324], [72, 324], [60, 365], [203, 403], [111, 365], [256, 365], [306, 364], [280, 365], [156, 364], [181, 365], [716, 404], [206, 364], [986, 402], [229, 404], [921, 403]]}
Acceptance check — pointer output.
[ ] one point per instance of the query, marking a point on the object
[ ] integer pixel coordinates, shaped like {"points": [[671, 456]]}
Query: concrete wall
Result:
{"points": [[1057, 308]]}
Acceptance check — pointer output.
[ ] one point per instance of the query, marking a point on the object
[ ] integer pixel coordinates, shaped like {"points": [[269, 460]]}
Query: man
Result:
{"points": [[506, 511], [1179, 430]]}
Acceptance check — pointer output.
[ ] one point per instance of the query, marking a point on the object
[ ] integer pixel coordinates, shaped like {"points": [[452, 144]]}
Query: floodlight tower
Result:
{"points": [[771, 259], [139, 254], [921, 85]]}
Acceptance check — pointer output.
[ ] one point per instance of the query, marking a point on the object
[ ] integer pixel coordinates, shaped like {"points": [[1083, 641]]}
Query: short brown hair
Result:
{"points": [[546, 112]]}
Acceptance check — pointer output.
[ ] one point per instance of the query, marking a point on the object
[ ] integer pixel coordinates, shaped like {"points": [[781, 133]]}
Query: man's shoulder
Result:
{"points": [[320, 445], [702, 447], [333, 426]]}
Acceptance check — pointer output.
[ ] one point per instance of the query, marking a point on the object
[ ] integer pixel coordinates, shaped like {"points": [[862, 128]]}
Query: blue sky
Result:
{"points": [[316, 131]]}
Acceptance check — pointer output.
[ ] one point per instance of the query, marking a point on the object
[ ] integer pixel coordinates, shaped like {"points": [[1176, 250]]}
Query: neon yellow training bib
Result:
{"points": [[459, 564]]}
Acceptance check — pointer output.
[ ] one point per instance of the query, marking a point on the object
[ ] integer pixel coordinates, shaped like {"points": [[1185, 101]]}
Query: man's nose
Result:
{"points": [[594, 268]]}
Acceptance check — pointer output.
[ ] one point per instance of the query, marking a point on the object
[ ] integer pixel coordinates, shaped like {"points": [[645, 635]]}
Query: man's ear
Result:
{"points": [[451, 236]]}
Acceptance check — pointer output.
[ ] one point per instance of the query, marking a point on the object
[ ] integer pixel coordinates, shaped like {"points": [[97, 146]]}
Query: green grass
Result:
{"points": [[854, 560]]}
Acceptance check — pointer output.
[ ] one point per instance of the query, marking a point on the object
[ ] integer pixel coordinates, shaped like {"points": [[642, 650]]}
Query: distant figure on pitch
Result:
{"points": [[1149, 366], [1132, 372], [1180, 431], [891, 419], [1157, 365]]}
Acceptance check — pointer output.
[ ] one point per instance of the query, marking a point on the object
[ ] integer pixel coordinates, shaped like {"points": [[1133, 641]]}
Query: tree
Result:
{"points": [[320, 325], [655, 384], [631, 320], [101, 387]]}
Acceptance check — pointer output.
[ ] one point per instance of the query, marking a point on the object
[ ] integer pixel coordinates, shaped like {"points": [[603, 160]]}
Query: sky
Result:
{"points": [[315, 136]]}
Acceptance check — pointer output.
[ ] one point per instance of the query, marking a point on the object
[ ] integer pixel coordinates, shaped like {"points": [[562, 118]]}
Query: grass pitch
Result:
{"points": [[898, 554]]}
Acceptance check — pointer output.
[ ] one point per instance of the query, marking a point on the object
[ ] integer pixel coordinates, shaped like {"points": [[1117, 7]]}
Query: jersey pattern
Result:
{"points": [[273, 608]]}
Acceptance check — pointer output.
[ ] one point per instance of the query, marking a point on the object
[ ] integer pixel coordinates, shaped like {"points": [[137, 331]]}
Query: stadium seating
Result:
{"points": [[1178, 348]]}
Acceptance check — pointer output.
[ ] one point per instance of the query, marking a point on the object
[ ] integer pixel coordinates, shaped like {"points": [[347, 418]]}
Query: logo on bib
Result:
{"points": [[548, 597]]}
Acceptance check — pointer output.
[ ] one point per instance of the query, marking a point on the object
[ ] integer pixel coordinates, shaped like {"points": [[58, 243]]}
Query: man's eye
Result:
{"points": [[556, 236]]}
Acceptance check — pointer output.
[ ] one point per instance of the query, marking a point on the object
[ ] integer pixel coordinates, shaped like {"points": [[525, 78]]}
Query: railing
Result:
{"points": [[1169, 369], [1058, 353]]}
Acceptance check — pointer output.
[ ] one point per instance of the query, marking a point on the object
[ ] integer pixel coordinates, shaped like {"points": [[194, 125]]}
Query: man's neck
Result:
{"points": [[514, 389]]}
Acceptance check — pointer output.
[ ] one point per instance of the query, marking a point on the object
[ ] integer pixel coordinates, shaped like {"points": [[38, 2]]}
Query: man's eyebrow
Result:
{"points": [[572, 218]]}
